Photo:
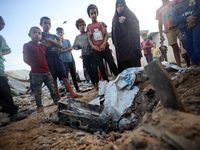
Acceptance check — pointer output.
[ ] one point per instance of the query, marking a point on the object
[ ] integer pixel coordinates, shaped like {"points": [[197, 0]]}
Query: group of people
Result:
{"points": [[50, 56], [151, 51], [181, 19]]}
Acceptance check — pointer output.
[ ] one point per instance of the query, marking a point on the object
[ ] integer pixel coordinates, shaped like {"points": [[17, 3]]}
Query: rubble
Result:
{"points": [[153, 126]]}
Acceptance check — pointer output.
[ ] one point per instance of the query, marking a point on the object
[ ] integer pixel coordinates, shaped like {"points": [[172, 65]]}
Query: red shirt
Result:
{"points": [[96, 33], [36, 54], [164, 13]]}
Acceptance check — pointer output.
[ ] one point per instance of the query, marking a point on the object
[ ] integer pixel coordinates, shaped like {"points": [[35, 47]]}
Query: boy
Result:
{"points": [[164, 17], [98, 37], [146, 45], [6, 99], [67, 57], [34, 55], [163, 50], [156, 52], [56, 67], [81, 42], [187, 14]]}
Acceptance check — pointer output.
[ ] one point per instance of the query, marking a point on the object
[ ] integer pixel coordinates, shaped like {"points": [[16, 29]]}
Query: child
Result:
{"points": [[98, 37], [146, 45], [56, 67], [187, 14], [164, 16], [163, 50], [6, 100], [156, 52], [67, 57], [81, 42], [34, 55]]}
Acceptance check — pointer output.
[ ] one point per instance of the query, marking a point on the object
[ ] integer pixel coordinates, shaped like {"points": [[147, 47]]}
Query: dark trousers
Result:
{"points": [[6, 99], [91, 67], [99, 56], [135, 62], [69, 65], [149, 58], [164, 57], [187, 59]]}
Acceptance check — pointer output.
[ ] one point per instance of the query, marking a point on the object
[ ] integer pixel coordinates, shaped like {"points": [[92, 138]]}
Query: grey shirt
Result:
{"points": [[81, 42]]}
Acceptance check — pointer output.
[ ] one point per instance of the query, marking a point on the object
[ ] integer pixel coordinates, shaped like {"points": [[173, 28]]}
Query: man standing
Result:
{"points": [[164, 17], [6, 99]]}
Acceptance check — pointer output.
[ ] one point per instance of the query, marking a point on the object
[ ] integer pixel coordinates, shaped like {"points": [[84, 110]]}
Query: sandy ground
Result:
{"points": [[157, 127]]}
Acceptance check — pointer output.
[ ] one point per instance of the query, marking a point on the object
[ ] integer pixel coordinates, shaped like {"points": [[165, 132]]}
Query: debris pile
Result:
{"points": [[153, 126]]}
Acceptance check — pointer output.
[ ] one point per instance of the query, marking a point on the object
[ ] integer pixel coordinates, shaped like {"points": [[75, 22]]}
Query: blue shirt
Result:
{"points": [[184, 9], [66, 56]]}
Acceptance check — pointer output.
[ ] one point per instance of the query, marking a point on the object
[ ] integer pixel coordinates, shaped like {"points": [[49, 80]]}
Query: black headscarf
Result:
{"points": [[126, 36]]}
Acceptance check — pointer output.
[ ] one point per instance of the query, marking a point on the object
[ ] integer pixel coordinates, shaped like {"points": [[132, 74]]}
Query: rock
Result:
{"points": [[78, 134], [97, 133], [139, 142], [81, 141]]}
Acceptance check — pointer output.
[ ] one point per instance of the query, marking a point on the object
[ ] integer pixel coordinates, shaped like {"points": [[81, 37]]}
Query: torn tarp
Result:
{"points": [[170, 67], [119, 94]]}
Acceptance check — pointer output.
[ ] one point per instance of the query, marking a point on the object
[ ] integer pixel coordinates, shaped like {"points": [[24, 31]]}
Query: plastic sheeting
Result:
{"points": [[119, 94], [17, 80]]}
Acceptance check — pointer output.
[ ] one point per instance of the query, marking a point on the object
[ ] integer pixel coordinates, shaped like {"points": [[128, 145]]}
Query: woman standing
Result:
{"points": [[126, 37]]}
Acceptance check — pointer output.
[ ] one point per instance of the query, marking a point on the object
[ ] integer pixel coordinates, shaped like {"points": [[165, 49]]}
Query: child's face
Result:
{"points": [[161, 44], [93, 14], [60, 33], [36, 35], [144, 37], [81, 27], [154, 44], [120, 8], [46, 25]]}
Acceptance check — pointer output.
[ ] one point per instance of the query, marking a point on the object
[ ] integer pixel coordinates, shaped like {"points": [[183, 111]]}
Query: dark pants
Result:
{"points": [[164, 57], [149, 58], [135, 62], [38, 79], [99, 56], [91, 67], [70, 65], [6, 99]]}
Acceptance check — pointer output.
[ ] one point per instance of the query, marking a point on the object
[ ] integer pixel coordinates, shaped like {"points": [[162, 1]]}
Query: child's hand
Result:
{"points": [[96, 48], [145, 47], [103, 47], [46, 44], [122, 19], [49, 40], [190, 25], [191, 19]]}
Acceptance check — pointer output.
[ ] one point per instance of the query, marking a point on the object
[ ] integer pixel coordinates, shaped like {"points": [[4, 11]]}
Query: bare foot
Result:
{"points": [[96, 88], [40, 110], [97, 85], [194, 66], [74, 95]]}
